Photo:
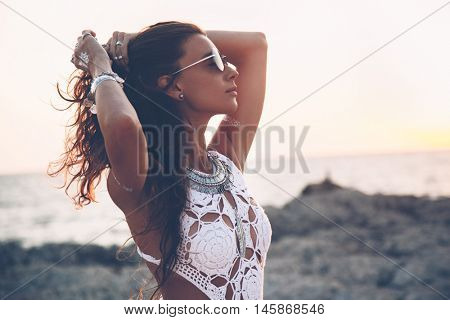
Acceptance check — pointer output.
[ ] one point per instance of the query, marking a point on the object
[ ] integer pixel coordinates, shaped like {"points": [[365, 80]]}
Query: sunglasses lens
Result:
{"points": [[218, 60]]}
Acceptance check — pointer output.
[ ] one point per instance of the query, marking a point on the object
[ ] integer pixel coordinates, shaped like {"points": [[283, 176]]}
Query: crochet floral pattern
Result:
{"points": [[208, 252]]}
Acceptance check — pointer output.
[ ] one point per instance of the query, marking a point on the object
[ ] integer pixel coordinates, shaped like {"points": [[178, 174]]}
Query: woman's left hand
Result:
{"points": [[88, 53]]}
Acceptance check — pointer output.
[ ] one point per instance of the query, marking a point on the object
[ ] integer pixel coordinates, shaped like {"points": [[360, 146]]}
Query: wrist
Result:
{"points": [[103, 76], [99, 66]]}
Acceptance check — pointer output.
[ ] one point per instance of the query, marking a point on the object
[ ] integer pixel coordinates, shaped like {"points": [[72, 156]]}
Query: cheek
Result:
{"points": [[208, 94]]}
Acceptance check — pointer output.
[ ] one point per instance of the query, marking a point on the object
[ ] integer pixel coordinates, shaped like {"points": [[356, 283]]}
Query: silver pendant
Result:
{"points": [[220, 180], [241, 239], [241, 234]]}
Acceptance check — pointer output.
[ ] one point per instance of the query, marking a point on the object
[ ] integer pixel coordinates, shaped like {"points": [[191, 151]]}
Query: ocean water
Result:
{"points": [[420, 174], [34, 210]]}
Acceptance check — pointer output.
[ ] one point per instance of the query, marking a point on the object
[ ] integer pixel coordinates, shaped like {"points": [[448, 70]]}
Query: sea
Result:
{"points": [[35, 211]]}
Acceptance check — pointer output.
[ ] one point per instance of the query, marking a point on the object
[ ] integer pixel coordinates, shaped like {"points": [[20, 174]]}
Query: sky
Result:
{"points": [[366, 77]]}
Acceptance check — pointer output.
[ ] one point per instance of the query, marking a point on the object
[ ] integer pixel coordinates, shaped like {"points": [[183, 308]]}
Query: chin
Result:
{"points": [[228, 108], [233, 108]]}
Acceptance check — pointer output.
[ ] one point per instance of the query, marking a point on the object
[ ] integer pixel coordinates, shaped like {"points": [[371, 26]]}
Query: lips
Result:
{"points": [[232, 89]]}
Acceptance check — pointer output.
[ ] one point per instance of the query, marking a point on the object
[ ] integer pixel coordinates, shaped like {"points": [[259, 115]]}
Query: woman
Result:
{"points": [[189, 211]]}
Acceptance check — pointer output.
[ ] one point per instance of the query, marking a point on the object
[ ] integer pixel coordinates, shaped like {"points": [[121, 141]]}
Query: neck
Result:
{"points": [[196, 153]]}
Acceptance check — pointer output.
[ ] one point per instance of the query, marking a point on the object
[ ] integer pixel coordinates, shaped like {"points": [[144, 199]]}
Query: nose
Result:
{"points": [[233, 73]]}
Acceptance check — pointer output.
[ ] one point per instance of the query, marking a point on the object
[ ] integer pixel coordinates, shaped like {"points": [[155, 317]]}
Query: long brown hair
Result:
{"points": [[152, 53]]}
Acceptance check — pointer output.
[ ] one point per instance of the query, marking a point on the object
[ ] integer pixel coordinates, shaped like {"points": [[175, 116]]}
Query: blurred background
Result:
{"points": [[366, 82]]}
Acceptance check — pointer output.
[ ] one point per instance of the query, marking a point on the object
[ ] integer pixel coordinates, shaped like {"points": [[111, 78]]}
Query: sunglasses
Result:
{"points": [[220, 61]]}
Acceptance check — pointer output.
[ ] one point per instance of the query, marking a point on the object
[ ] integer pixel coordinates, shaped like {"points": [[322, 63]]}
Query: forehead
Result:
{"points": [[196, 47]]}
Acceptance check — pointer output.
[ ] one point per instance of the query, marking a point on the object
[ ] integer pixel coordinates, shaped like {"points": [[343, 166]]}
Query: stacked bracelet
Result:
{"points": [[89, 102]]}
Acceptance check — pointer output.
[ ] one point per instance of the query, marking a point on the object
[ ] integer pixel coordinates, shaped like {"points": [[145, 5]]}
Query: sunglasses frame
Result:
{"points": [[217, 59]]}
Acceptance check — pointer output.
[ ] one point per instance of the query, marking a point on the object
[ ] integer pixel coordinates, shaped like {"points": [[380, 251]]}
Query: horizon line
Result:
{"points": [[312, 156]]}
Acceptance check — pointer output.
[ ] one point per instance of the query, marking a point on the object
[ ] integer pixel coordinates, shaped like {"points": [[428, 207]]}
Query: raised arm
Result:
{"points": [[248, 52], [123, 135]]}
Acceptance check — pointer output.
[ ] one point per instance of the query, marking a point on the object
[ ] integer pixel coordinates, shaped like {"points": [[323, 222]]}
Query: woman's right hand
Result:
{"points": [[97, 58], [117, 47]]}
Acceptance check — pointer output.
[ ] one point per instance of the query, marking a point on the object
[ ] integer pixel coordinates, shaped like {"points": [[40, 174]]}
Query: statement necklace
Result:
{"points": [[217, 182], [212, 183]]}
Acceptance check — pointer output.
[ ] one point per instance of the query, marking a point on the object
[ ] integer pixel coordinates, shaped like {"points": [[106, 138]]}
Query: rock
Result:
{"points": [[329, 243], [340, 243]]}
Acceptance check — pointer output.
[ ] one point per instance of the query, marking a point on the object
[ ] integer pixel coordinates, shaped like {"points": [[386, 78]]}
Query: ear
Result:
{"points": [[174, 90]]}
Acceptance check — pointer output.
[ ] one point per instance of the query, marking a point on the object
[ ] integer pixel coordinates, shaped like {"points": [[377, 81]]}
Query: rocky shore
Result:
{"points": [[329, 243]]}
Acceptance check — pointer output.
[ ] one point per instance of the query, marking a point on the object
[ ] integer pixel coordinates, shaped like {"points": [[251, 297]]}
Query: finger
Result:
{"points": [[107, 44], [125, 49], [78, 63], [79, 41], [108, 47], [120, 50], [82, 66], [113, 47], [89, 31], [92, 33], [76, 57]]}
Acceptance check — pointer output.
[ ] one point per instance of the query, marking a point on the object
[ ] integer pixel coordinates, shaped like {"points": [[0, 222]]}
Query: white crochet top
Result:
{"points": [[208, 252]]}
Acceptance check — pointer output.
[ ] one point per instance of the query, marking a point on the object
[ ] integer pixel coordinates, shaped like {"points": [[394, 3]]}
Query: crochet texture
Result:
{"points": [[208, 252]]}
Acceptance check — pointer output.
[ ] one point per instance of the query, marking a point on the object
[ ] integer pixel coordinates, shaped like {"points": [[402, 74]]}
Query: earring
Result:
{"points": [[181, 96]]}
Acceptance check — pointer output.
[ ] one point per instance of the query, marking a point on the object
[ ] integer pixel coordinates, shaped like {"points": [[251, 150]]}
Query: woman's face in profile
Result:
{"points": [[203, 85]]}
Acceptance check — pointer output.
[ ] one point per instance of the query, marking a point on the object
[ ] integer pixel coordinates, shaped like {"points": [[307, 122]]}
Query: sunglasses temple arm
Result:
{"points": [[193, 64]]}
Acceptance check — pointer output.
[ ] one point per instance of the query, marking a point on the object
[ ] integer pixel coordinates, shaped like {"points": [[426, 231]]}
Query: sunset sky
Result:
{"points": [[397, 99]]}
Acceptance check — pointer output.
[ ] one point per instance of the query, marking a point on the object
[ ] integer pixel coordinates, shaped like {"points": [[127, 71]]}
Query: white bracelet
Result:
{"points": [[90, 100], [105, 76]]}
